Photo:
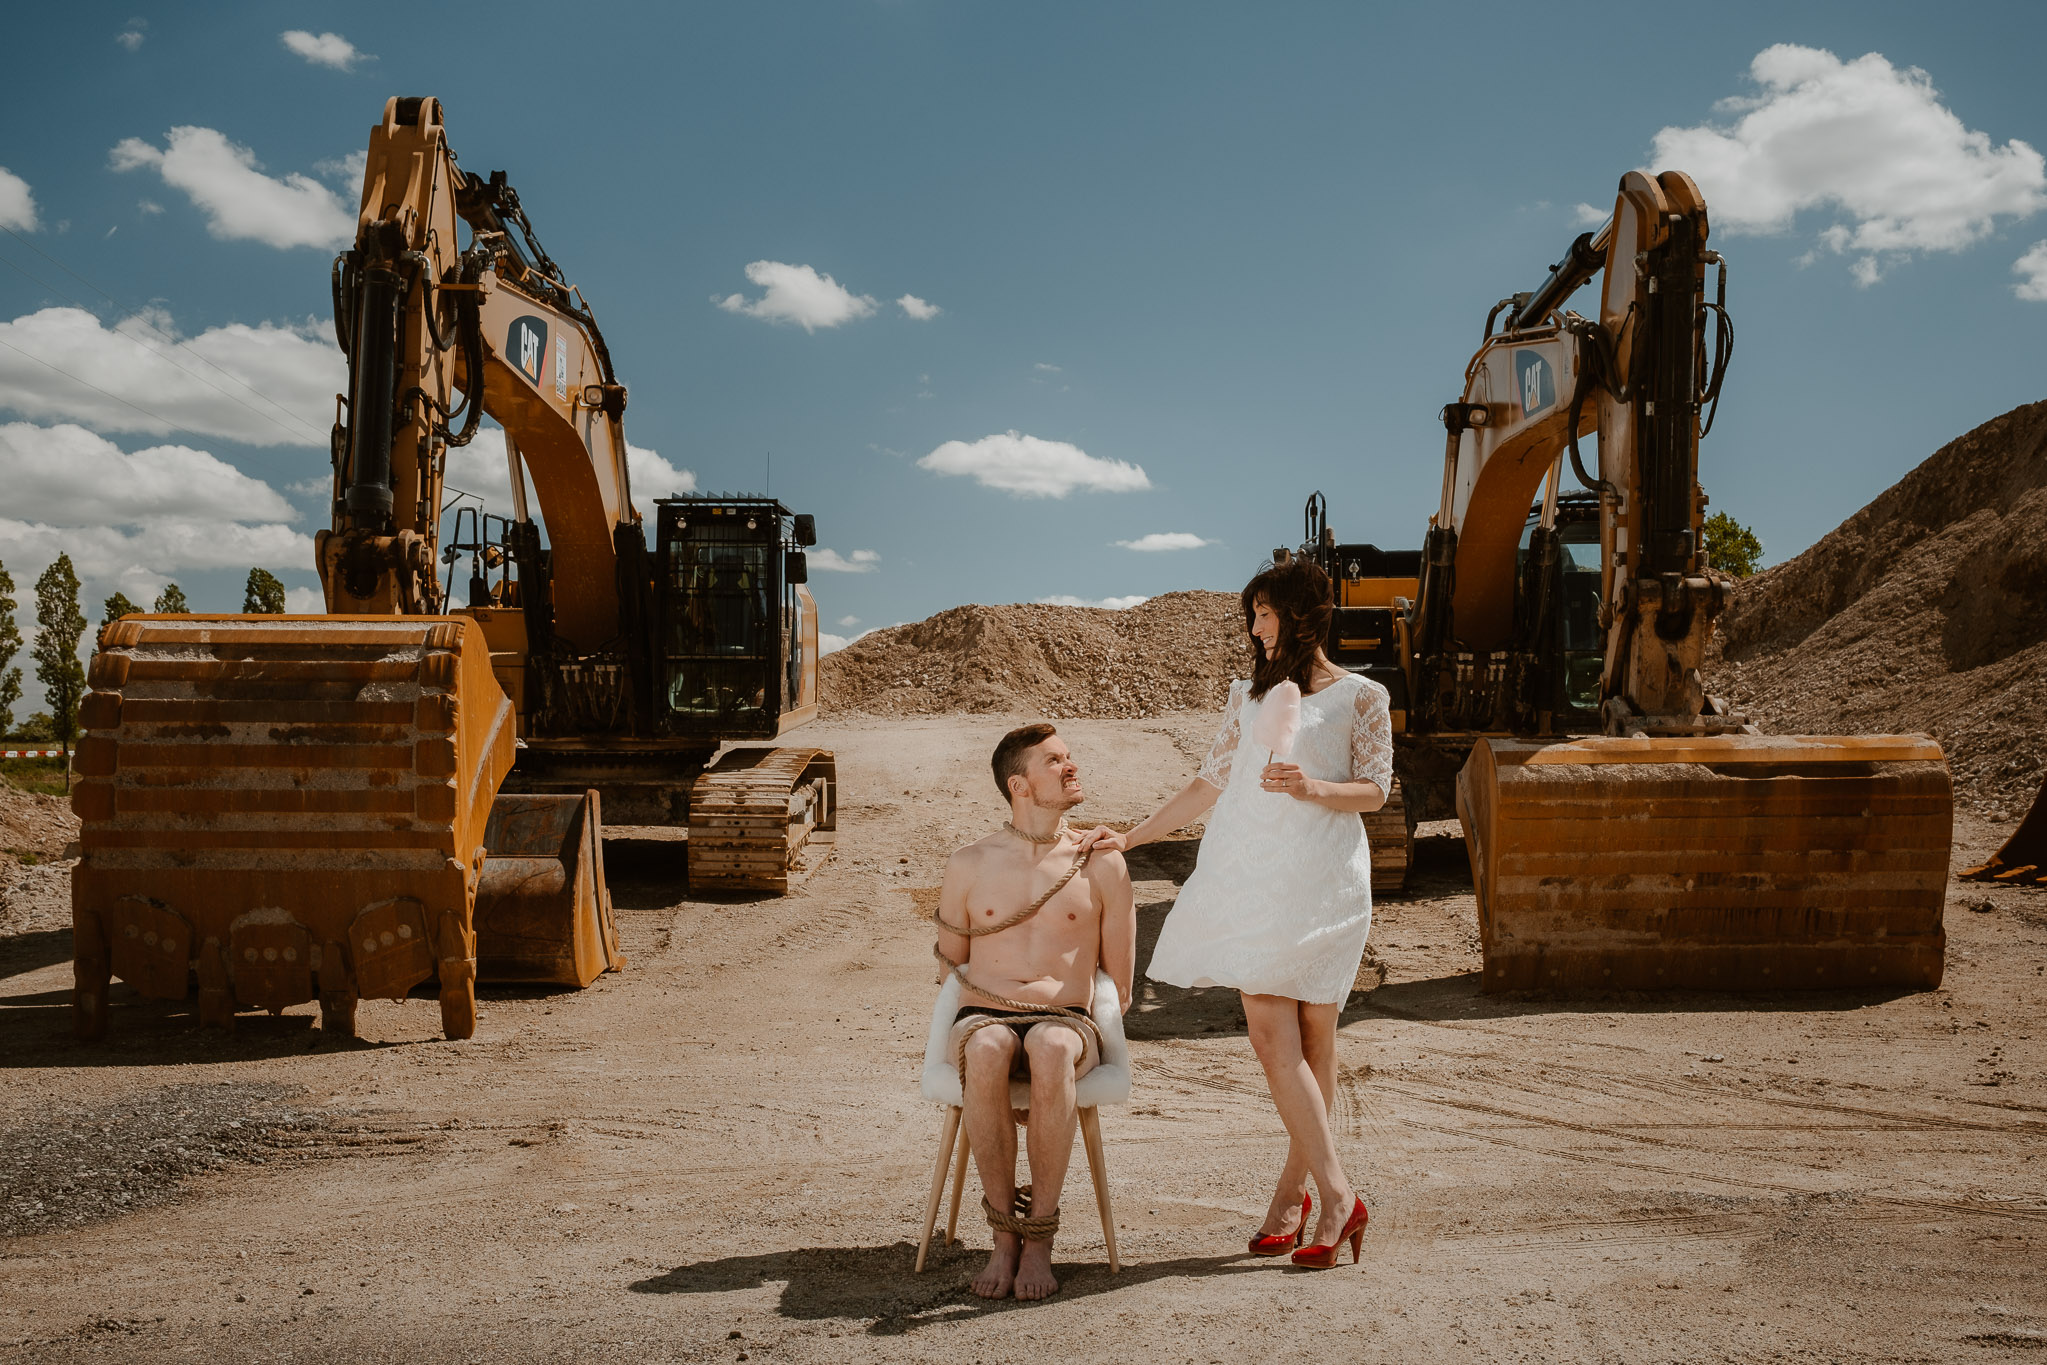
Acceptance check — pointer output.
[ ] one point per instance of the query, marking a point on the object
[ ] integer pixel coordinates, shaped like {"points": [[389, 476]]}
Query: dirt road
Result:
{"points": [[720, 1154]]}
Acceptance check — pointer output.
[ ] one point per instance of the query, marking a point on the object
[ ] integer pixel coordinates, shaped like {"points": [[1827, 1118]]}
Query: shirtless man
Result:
{"points": [[1046, 961]]}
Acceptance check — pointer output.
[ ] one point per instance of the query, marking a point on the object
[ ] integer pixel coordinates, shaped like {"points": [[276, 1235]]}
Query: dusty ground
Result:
{"points": [[720, 1153]]}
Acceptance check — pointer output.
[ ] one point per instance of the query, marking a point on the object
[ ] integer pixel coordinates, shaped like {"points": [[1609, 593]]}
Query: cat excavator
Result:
{"points": [[406, 788], [1543, 651]]}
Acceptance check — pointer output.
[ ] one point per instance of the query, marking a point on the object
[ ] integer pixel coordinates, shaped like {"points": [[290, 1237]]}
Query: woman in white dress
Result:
{"points": [[1280, 901]]}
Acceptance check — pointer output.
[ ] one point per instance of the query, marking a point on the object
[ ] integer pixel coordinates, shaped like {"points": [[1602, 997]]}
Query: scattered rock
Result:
{"points": [[82, 1163]]}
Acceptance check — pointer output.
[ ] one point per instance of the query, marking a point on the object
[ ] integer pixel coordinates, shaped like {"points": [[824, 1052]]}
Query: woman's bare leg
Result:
{"points": [[1318, 1046], [1280, 1040]]}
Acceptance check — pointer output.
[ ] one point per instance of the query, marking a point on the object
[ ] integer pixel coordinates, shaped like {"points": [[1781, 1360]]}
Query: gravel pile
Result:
{"points": [[1178, 652], [87, 1162], [34, 823], [34, 897], [1925, 611]]}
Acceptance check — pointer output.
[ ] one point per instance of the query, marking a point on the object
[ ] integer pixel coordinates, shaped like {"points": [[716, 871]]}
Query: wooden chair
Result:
{"points": [[1108, 1083]]}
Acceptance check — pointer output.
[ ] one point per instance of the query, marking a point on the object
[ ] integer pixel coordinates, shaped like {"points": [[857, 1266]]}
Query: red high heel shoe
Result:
{"points": [[1280, 1243], [1324, 1257]]}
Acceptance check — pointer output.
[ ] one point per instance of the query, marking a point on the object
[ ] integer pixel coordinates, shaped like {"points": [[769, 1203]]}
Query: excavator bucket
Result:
{"points": [[287, 807], [2023, 859], [1727, 863], [542, 911]]}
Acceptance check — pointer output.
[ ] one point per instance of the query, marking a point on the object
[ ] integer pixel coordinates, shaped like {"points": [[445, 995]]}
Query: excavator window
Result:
{"points": [[722, 617], [1578, 648]]}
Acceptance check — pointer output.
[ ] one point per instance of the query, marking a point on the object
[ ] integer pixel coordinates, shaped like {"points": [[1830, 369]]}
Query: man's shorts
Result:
{"points": [[1020, 1063]]}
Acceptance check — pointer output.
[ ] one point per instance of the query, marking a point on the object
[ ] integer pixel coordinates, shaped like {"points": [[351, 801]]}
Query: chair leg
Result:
{"points": [[959, 1188], [948, 1132], [1098, 1167]]}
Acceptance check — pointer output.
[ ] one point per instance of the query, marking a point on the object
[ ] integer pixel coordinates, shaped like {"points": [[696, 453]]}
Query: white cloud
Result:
{"points": [[149, 207], [918, 308], [304, 602], [1043, 368], [321, 49], [1165, 540], [1105, 603], [831, 561], [17, 204], [347, 170], [480, 468], [849, 621], [131, 36], [1871, 141], [69, 476], [798, 294], [1588, 215], [828, 643], [1033, 468], [2031, 269], [264, 385], [139, 561], [131, 520], [240, 202]]}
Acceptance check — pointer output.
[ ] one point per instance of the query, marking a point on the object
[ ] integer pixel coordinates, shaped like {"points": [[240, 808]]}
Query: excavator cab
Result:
{"points": [[735, 615], [1573, 648]]}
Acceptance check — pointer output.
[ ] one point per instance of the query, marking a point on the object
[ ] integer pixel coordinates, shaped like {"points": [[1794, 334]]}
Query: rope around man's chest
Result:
{"points": [[1025, 1012]]}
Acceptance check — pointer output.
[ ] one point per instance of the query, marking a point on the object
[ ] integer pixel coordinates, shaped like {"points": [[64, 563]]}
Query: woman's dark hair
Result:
{"points": [[1302, 597]]}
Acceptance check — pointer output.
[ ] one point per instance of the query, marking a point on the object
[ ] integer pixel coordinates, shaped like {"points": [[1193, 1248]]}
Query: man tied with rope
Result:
{"points": [[1024, 919]]}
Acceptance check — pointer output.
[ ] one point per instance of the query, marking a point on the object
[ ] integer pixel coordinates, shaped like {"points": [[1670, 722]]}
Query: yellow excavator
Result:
{"points": [[1543, 651], [353, 804]]}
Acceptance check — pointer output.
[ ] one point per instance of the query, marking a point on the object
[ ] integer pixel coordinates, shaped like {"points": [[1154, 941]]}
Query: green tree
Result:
{"points": [[10, 645], [264, 595], [56, 647], [113, 609], [38, 728], [171, 601], [1732, 547]]}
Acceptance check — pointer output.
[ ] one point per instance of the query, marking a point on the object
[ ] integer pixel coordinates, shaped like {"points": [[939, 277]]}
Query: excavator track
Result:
{"points": [[1733, 863], [1392, 844], [762, 819]]}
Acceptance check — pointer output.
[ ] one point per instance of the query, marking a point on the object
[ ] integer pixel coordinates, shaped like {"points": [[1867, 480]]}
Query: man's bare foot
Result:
{"points": [[999, 1274], [1034, 1272]]}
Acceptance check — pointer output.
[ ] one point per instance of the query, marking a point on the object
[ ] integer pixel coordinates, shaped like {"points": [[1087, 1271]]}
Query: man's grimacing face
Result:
{"points": [[1051, 778]]}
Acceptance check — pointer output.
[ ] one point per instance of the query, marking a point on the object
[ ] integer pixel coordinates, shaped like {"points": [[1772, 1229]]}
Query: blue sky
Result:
{"points": [[1246, 250]]}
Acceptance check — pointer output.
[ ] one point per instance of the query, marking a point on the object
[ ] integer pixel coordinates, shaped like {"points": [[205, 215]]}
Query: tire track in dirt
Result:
{"points": [[1950, 1206], [1893, 1120]]}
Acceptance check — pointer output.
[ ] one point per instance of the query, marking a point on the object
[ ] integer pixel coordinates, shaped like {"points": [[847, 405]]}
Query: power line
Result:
{"points": [[155, 417], [142, 318]]}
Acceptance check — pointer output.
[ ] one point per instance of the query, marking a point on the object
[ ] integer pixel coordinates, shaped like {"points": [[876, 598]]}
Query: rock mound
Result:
{"points": [[1926, 610], [34, 822], [1178, 652]]}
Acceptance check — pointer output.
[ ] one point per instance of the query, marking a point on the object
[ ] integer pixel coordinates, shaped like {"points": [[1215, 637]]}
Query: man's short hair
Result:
{"points": [[1009, 754]]}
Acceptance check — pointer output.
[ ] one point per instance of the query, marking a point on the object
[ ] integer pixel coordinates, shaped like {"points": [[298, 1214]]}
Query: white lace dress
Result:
{"points": [[1280, 900]]}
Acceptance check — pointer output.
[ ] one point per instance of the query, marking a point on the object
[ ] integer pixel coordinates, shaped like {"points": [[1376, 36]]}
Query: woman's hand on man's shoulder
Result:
{"points": [[1102, 839]]}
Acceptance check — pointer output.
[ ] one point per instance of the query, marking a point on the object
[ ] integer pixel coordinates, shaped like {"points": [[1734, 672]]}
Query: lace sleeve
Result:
{"points": [[1215, 769], [1371, 738]]}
